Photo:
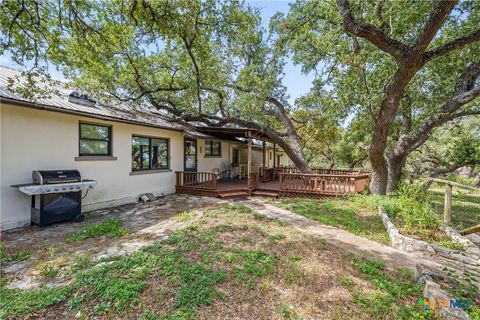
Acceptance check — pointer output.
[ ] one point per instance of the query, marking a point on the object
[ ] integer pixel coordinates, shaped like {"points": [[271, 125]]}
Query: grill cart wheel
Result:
{"points": [[79, 218]]}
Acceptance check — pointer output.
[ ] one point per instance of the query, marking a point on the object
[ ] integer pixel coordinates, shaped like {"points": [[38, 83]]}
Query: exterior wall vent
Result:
{"points": [[81, 98]]}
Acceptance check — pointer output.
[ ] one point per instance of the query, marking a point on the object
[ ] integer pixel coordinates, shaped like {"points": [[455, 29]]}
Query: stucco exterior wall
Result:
{"points": [[208, 163], [257, 157], [34, 139]]}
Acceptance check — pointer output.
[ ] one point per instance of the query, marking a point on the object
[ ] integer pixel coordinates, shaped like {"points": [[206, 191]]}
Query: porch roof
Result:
{"points": [[233, 134]]}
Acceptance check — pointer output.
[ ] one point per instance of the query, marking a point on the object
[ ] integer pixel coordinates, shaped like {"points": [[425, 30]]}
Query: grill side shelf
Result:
{"points": [[33, 189]]}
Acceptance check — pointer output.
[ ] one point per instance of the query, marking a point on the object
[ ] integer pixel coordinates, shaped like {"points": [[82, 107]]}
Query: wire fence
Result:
{"points": [[464, 202]]}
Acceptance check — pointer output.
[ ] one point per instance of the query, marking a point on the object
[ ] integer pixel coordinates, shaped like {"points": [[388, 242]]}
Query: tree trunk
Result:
{"points": [[293, 149], [395, 168], [386, 115], [297, 158], [378, 185]]}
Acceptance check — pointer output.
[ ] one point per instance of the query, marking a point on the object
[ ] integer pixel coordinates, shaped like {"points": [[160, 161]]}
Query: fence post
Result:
{"points": [[447, 213]]}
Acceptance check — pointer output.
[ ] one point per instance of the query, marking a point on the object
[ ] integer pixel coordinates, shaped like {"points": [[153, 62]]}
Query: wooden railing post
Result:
{"points": [[214, 180], [447, 211]]}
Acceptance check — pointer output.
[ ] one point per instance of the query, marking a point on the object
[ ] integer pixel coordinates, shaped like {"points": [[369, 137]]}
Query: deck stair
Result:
{"points": [[265, 193], [231, 194]]}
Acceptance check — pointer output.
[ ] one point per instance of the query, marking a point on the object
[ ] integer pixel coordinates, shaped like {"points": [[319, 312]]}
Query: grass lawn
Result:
{"points": [[228, 263], [358, 215], [344, 214]]}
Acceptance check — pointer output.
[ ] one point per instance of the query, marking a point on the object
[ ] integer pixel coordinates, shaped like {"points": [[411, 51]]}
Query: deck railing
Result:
{"points": [[288, 183], [267, 174], [311, 184], [322, 171], [197, 180]]}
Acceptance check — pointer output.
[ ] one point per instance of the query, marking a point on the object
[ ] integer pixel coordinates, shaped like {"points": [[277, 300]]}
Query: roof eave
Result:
{"points": [[46, 107]]}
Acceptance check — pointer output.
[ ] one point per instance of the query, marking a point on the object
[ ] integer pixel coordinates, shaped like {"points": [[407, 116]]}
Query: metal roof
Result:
{"points": [[58, 101]]}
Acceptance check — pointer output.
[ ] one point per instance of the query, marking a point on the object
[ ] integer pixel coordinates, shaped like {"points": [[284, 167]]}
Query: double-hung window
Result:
{"points": [[95, 140], [213, 148], [150, 153]]}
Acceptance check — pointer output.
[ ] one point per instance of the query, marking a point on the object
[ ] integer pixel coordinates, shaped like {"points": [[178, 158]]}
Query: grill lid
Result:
{"points": [[55, 176]]}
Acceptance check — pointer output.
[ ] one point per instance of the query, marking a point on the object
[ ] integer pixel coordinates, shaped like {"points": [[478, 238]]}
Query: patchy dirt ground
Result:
{"points": [[188, 257], [145, 223]]}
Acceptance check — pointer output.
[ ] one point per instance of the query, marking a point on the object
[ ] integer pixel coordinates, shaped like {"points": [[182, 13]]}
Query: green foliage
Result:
{"points": [[287, 312], [184, 216], [413, 207], [186, 63], [451, 147], [277, 236], [473, 312], [451, 244], [291, 270], [49, 271], [352, 73], [17, 256], [197, 286], [464, 286], [389, 291], [114, 288], [148, 315], [111, 228], [18, 301], [230, 209]]}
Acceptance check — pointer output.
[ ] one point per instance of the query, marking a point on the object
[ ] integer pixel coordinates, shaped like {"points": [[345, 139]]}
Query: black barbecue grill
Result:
{"points": [[60, 194]]}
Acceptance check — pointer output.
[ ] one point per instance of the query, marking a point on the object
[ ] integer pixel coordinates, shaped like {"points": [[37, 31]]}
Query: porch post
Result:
{"points": [[249, 165], [274, 156], [264, 162]]}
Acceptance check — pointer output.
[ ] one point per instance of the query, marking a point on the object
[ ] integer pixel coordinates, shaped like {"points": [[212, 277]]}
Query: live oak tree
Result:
{"points": [[411, 67], [454, 146], [205, 62]]}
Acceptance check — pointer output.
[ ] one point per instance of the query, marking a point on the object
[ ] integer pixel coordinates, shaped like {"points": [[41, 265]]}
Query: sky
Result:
{"points": [[296, 82]]}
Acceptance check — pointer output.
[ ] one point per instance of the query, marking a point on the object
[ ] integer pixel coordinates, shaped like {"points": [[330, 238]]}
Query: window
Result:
{"points": [[95, 140], [213, 148], [235, 156], [150, 153]]}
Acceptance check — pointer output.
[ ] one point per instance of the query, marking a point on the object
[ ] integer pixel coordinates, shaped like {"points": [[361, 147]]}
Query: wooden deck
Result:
{"points": [[280, 184]]}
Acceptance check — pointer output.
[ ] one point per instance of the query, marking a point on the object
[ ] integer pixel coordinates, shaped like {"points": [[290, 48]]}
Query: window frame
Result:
{"points": [[150, 169], [209, 146], [109, 140]]}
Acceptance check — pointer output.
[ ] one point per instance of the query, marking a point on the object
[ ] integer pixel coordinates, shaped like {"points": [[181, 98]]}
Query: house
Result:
{"points": [[128, 153]]}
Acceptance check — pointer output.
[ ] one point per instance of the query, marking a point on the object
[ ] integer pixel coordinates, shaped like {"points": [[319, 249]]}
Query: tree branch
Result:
{"points": [[464, 94], [370, 32], [451, 46], [434, 22]]}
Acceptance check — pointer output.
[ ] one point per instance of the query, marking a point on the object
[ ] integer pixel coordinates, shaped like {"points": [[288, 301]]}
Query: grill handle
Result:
{"points": [[62, 181]]}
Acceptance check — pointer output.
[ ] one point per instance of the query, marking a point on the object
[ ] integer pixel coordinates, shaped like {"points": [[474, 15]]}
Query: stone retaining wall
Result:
{"points": [[453, 259]]}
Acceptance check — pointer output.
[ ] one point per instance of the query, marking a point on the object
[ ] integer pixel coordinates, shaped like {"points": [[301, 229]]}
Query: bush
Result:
{"points": [[411, 209], [414, 207]]}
